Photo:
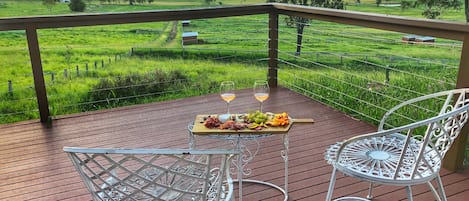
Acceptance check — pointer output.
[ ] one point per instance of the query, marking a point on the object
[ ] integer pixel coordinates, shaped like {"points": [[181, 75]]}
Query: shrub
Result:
{"points": [[133, 88], [77, 6]]}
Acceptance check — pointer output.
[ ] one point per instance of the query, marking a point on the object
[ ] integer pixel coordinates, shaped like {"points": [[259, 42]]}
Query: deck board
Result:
{"points": [[34, 167]]}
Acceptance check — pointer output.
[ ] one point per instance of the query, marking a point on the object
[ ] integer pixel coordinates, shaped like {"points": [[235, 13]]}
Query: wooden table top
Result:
{"points": [[200, 129]]}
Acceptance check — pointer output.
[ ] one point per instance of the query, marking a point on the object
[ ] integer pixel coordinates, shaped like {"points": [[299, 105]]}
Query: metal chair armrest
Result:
{"points": [[401, 129], [448, 93]]}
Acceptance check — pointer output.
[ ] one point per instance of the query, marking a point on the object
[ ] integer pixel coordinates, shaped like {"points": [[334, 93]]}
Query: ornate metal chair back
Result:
{"points": [[427, 141], [154, 174]]}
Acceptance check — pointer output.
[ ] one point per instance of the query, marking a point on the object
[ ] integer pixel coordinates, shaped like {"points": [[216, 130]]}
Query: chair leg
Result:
{"points": [[440, 188], [409, 193], [331, 186], [435, 194], [370, 196]]}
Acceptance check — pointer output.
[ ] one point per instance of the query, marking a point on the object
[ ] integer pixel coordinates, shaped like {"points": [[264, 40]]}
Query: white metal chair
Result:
{"points": [[405, 155], [154, 174]]}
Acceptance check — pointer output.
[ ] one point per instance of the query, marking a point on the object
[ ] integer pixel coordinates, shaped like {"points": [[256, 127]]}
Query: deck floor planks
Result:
{"points": [[34, 167]]}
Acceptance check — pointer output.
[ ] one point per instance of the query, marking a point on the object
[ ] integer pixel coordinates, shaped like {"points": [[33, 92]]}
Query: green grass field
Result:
{"points": [[332, 59]]}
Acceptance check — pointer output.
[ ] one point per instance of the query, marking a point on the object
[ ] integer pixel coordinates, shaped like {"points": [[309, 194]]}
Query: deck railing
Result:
{"points": [[448, 30]]}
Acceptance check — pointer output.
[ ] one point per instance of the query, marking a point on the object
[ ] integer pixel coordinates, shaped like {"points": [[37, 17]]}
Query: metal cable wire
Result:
{"points": [[344, 94], [121, 98], [353, 85], [373, 37], [348, 73], [369, 49], [381, 66], [309, 93], [399, 57], [20, 112]]}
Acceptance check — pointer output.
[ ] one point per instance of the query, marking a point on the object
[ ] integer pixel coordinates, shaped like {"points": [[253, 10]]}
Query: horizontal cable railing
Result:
{"points": [[361, 75]]}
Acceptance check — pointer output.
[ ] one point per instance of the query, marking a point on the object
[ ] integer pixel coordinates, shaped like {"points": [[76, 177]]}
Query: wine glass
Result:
{"points": [[261, 91], [227, 93]]}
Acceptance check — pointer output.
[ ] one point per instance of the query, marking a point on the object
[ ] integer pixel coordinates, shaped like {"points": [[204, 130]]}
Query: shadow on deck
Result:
{"points": [[34, 167]]}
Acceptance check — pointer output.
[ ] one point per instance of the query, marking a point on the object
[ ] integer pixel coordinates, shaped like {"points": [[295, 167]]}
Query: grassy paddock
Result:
{"points": [[360, 71], [330, 51]]}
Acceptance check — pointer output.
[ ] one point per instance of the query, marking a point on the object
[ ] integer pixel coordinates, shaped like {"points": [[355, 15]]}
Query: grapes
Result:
{"points": [[257, 117]]}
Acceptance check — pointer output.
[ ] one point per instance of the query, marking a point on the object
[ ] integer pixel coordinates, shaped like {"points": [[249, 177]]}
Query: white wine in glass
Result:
{"points": [[261, 91], [227, 93]]}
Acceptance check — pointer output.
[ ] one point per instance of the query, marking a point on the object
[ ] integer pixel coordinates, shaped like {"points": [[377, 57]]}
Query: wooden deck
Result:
{"points": [[34, 167]]}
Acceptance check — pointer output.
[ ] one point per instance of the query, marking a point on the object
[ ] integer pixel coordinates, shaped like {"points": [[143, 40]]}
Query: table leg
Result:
{"points": [[190, 126], [284, 154], [240, 169]]}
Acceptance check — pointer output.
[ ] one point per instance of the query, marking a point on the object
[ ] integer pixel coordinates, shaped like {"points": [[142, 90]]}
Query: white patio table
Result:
{"points": [[240, 139]]}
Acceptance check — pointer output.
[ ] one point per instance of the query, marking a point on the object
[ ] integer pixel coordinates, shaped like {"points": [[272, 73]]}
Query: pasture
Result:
{"points": [[86, 68]]}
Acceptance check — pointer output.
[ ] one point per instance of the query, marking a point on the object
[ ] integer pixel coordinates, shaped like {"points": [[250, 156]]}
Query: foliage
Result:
{"points": [[124, 90], [406, 4], [466, 9], [77, 5], [433, 8], [49, 4], [208, 2], [301, 22]]}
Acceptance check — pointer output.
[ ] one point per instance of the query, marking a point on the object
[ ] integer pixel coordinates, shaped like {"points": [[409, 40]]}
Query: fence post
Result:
{"points": [[387, 74], [65, 73], [95, 65], [102, 63], [10, 87], [109, 59], [273, 49], [52, 76], [86, 69], [78, 71]]}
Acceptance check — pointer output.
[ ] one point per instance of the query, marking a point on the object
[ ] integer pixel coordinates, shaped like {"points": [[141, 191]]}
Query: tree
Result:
{"points": [[208, 2], [301, 22], [77, 6], [434, 8], [466, 9], [49, 4]]}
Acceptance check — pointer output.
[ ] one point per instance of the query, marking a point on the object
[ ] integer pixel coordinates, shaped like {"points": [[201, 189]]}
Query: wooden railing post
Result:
{"points": [[38, 74], [455, 156], [273, 49]]}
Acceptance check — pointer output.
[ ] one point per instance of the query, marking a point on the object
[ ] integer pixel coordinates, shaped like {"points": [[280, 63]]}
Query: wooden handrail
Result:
{"points": [[61, 21], [426, 27], [441, 29], [437, 28]]}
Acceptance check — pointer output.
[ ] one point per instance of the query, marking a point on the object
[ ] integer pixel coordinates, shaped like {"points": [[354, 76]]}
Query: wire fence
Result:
{"points": [[362, 72]]}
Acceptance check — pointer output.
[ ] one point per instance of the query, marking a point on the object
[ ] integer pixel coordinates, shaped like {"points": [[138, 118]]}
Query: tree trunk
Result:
{"points": [[466, 9], [299, 36], [131, 2]]}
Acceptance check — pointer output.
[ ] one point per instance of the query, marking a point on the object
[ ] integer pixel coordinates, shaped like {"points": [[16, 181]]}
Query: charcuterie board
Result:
{"points": [[200, 129]]}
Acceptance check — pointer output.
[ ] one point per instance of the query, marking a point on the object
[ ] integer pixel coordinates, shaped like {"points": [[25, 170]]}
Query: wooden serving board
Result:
{"points": [[200, 129]]}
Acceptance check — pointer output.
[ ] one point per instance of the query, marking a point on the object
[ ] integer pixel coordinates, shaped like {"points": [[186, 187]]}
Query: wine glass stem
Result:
{"points": [[228, 107], [260, 106]]}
